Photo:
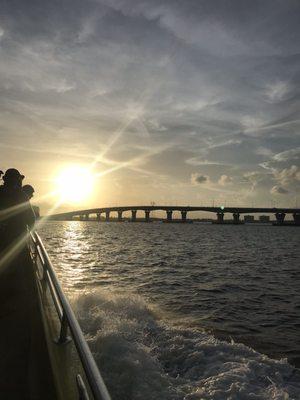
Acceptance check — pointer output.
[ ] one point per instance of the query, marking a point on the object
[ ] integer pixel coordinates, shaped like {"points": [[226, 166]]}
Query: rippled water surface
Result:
{"points": [[182, 301]]}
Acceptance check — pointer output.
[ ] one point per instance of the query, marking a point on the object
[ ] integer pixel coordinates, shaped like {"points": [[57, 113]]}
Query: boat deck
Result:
{"points": [[25, 371]]}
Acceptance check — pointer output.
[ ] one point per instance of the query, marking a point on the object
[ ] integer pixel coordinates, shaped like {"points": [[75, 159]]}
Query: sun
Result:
{"points": [[74, 184]]}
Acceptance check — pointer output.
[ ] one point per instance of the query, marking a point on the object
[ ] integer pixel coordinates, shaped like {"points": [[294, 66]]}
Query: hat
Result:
{"points": [[28, 189], [12, 173]]}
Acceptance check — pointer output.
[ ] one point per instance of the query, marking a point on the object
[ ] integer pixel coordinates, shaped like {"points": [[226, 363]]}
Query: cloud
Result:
{"points": [[198, 179], [256, 179], [263, 151], [282, 159], [218, 27], [252, 176], [196, 161], [288, 176], [225, 180], [292, 154], [112, 74], [277, 91], [278, 190]]}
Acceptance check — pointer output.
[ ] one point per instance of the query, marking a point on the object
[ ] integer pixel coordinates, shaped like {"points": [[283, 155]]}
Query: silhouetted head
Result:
{"points": [[13, 177], [28, 190]]}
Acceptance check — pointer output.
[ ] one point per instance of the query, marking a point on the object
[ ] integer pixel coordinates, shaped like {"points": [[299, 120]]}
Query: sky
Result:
{"points": [[175, 102]]}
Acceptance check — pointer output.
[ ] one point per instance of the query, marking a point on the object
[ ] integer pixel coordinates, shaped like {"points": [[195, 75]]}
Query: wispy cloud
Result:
{"points": [[278, 190], [225, 180]]}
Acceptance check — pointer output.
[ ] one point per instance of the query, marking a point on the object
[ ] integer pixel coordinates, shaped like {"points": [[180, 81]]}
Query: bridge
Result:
{"points": [[279, 213]]}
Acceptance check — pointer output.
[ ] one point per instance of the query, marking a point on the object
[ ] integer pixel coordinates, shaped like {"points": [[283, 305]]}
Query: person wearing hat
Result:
{"points": [[15, 209], [13, 178], [28, 190], [17, 287]]}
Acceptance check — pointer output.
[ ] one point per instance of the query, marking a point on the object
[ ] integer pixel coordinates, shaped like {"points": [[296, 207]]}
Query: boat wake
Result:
{"points": [[141, 356]]}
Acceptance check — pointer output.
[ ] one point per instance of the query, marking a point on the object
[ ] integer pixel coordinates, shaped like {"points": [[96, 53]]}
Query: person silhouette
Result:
{"points": [[15, 210], [17, 286], [28, 190]]}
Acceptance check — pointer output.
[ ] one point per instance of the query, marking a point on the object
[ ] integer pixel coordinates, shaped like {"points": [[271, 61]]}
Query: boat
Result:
{"points": [[43, 352]]}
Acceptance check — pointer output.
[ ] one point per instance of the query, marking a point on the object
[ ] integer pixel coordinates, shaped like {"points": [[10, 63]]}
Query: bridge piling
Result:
{"points": [[120, 216], [220, 217], [133, 215], [296, 217], [280, 217], [236, 218], [107, 214], [169, 215], [147, 215], [183, 216]]}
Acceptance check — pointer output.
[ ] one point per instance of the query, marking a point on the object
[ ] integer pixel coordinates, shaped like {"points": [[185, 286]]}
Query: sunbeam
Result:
{"points": [[19, 243], [136, 160], [19, 208], [45, 150], [133, 113], [115, 137]]}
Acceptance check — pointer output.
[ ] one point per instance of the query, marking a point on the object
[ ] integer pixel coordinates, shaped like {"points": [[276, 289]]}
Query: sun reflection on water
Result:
{"points": [[74, 252]]}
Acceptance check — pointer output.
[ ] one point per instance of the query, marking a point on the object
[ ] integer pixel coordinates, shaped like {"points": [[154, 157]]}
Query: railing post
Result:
{"points": [[44, 278], [83, 394], [35, 254], [63, 336]]}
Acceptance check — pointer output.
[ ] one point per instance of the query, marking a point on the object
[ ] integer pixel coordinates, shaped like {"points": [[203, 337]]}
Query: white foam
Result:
{"points": [[143, 357]]}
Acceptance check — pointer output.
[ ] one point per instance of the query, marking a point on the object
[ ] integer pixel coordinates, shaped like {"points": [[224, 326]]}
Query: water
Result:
{"points": [[192, 311]]}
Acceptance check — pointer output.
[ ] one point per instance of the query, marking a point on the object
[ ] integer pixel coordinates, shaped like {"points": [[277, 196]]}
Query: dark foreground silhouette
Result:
{"points": [[16, 213], [22, 346]]}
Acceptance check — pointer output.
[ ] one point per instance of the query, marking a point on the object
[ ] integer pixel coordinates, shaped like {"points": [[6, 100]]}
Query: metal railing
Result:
{"points": [[68, 323]]}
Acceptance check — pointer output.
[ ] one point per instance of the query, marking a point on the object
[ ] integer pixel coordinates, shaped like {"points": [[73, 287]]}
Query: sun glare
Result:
{"points": [[75, 184]]}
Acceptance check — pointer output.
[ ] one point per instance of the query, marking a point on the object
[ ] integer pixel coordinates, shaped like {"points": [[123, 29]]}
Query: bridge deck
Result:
{"points": [[233, 210]]}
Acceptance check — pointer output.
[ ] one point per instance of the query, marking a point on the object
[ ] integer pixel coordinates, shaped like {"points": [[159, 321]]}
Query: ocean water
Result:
{"points": [[185, 311]]}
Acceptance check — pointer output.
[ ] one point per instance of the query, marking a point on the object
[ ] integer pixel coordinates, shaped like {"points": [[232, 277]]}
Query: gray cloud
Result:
{"points": [[293, 154], [225, 180], [218, 80], [197, 178], [253, 177], [288, 176], [278, 190]]}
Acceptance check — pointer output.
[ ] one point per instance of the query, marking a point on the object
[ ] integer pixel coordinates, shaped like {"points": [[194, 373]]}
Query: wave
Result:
{"points": [[141, 355]]}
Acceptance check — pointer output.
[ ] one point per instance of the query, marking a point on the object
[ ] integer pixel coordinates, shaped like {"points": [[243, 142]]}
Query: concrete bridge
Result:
{"points": [[280, 213]]}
